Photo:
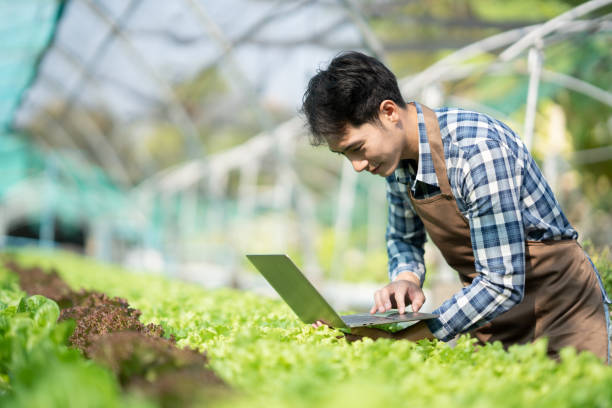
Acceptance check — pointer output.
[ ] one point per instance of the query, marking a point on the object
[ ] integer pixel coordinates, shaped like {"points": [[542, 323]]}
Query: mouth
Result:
{"points": [[375, 169]]}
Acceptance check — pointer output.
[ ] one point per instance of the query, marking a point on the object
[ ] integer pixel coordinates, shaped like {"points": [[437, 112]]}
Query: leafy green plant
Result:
{"points": [[97, 315], [259, 347], [155, 367], [602, 258], [109, 331], [36, 367], [603, 261]]}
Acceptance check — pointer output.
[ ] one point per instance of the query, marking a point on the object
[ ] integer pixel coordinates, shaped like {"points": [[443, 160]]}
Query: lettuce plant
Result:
{"points": [[259, 347]]}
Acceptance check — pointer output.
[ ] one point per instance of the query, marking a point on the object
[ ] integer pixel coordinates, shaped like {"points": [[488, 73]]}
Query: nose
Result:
{"points": [[359, 165]]}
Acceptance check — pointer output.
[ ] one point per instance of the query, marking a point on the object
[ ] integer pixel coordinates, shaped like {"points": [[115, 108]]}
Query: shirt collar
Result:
{"points": [[426, 172]]}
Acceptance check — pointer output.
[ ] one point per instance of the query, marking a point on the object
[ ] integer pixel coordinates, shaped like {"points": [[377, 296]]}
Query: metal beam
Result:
{"points": [[95, 139], [550, 26], [370, 39], [215, 32], [195, 148]]}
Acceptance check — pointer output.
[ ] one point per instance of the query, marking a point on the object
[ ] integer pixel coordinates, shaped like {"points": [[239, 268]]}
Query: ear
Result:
{"points": [[389, 111]]}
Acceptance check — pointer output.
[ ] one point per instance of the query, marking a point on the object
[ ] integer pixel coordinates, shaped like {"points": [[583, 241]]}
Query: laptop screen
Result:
{"points": [[295, 289]]}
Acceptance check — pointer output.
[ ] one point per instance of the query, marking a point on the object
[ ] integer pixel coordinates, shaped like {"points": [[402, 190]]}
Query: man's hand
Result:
{"points": [[320, 323], [406, 286]]}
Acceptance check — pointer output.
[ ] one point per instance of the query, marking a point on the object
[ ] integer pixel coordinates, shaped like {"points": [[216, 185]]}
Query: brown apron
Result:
{"points": [[563, 299]]}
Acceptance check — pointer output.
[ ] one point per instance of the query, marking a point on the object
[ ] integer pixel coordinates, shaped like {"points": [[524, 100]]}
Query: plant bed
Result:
{"points": [[108, 331], [156, 367], [262, 351]]}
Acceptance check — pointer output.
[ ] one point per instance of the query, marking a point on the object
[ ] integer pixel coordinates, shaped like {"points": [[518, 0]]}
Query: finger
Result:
{"points": [[400, 297], [417, 298], [384, 300], [418, 303], [320, 323], [393, 301], [378, 303], [375, 305]]}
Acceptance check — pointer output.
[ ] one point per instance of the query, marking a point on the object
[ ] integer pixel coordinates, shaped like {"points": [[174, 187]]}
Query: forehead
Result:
{"points": [[351, 135]]}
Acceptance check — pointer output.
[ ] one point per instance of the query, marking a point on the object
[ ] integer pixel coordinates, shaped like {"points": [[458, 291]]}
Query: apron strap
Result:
{"points": [[437, 150]]}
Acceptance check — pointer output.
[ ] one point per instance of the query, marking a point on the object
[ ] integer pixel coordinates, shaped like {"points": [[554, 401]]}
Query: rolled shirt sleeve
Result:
{"points": [[490, 179], [405, 235]]}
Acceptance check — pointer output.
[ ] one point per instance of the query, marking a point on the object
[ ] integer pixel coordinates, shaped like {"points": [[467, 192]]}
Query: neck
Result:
{"points": [[411, 133]]}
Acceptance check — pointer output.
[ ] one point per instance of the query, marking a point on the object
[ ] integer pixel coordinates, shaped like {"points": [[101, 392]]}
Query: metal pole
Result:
{"points": [[344, 215], [534, 62], [195, 147], [47, 219]]}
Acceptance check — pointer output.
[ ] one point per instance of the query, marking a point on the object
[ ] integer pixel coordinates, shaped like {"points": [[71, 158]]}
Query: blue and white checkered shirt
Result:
{"points": [[499, 189]]}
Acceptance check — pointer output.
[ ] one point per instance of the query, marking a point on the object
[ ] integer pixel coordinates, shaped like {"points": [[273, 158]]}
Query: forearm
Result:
{"points": [[480, 302], [405, 237]]}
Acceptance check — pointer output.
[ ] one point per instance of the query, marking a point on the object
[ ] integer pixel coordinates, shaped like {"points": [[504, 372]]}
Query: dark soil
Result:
{"points": [[35, 281], [108, 331]]}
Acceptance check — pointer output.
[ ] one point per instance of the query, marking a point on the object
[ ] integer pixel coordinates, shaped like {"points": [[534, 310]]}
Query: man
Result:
{"points": [[469, 182]]}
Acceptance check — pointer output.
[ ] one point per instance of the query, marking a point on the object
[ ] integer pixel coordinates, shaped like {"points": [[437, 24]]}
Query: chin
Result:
{"points": [[387, 172]]}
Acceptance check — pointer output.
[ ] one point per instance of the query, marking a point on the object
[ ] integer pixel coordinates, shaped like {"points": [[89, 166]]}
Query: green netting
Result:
{"points": [[26, 27], [15, 156], [33, 182], [74, 190]]}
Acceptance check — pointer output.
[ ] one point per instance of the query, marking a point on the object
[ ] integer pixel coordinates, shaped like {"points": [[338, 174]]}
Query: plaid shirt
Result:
{"points": [[499, 189]]}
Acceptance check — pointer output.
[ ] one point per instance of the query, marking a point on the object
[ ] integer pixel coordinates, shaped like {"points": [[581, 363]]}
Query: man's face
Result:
{"points": [[372, 147]]}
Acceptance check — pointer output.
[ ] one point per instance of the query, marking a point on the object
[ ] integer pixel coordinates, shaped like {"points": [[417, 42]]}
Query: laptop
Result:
{"points": [[308, 304]]}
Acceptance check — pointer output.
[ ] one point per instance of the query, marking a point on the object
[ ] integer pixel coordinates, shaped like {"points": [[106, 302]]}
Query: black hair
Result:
{"points": [[348, 92]]}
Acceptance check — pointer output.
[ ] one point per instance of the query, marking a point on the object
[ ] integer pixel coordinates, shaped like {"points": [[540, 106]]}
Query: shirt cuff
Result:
{"points": [[440, 330], [416, 267]]}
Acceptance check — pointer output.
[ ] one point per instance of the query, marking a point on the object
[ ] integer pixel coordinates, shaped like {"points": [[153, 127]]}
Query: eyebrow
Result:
{"points": [[349, 147]]}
